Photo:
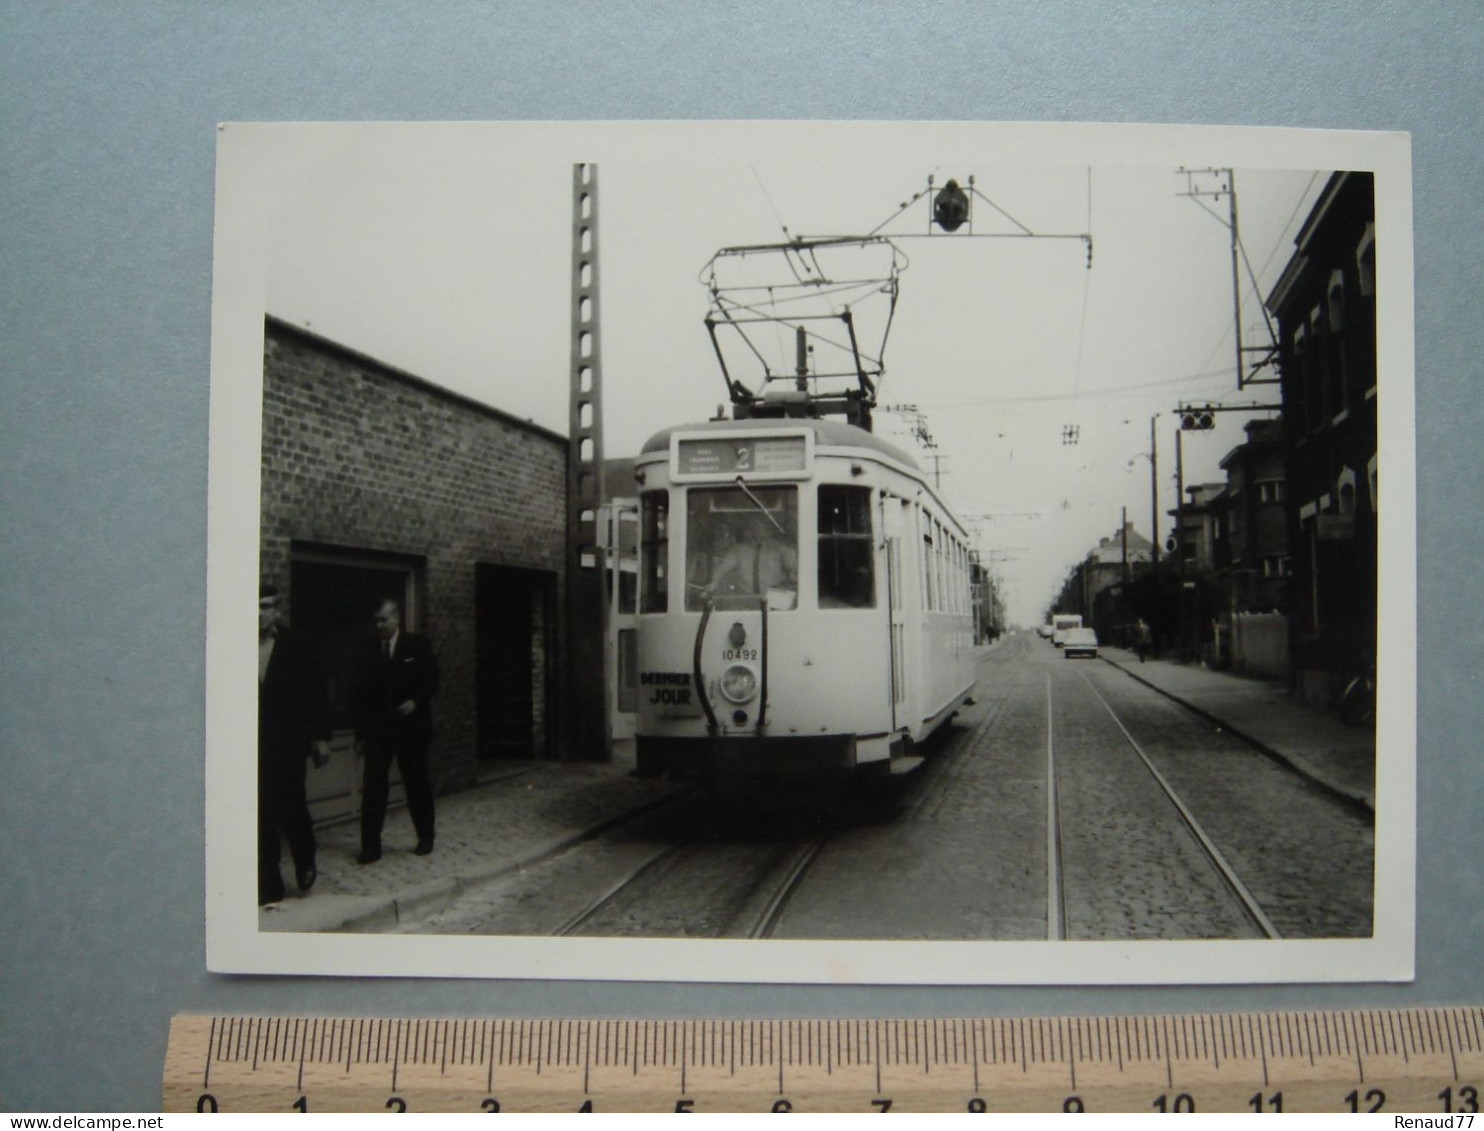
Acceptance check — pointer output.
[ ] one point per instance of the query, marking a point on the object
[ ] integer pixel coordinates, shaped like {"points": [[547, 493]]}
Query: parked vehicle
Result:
{"points": [[1060, 623], [1080, 642]]}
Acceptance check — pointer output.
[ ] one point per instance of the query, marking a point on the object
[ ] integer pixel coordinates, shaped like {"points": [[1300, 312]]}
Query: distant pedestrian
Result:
{"points": [[1141, 639], [396, 678], [293, 724]]}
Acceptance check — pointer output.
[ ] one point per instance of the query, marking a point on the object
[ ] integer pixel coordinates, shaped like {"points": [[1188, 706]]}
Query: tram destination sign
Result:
{"points": [[755, 456]]}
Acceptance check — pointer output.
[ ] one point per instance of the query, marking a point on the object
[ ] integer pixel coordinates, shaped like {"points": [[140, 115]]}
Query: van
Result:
{"points": [[1061, 623]]}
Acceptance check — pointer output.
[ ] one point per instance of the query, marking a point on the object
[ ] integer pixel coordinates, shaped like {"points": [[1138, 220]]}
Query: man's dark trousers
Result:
{"points": [[282, 805], [412, 762], [384, 683]]}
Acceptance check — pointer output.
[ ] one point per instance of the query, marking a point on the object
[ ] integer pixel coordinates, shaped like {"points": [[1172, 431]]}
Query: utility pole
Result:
{"points": [[1228, 189], [1231, 182], [586, 717], [1154, 523], [1123, 533], [1179, 505], [1180, 540]]}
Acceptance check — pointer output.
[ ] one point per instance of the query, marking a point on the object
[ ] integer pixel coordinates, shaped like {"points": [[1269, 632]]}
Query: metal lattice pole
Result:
{"points": [[587, 714]]}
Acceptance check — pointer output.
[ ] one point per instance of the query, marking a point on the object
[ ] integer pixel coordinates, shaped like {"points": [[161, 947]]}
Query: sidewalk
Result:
{"points": [[534, 809], [1316, 744], [530, 810]]}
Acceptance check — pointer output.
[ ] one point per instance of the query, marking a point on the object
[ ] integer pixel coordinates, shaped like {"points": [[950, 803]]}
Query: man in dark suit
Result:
{"points": [[396, 679], [293, 724]]}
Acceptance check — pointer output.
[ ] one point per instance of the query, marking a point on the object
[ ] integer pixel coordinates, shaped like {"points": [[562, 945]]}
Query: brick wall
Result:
{"points": [[359, 456]]}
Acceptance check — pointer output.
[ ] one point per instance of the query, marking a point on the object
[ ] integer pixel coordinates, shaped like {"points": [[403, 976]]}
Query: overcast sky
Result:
{"points": [[445, 250]]}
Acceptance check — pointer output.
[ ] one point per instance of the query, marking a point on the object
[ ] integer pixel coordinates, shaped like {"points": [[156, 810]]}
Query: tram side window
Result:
{"points": [[847, 578], [654, 552], [927, 570]]}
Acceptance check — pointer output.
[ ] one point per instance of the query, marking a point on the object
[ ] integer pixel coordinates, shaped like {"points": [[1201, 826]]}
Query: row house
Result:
{"points": [[1250, 551], [1325, 308], [1100, 586], [1194, 541]]}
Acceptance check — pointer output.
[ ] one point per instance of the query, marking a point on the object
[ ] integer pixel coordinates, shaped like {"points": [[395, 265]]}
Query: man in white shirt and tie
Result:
{"points": [[396, 679]]}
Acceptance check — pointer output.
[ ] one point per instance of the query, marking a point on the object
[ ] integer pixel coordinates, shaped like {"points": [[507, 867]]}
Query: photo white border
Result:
{"points": [[234, 942]]}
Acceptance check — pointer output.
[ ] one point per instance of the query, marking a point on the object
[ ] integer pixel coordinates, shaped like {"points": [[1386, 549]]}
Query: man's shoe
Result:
{"points": [[424, 848], [369, 857], [306, 877]]}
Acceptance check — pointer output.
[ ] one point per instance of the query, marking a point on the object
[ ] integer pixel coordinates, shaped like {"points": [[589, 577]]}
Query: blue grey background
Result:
{"points": [[107, 114]]}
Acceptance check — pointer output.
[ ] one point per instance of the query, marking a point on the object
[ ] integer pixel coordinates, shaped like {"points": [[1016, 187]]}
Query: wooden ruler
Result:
{"points": [[1394, 1060]]}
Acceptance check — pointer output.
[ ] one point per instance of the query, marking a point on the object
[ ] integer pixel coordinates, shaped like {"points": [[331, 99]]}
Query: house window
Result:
{"points": [[1365, 260], [1270, 491], [1335, 352], [1324, 338], [1275, 565]]}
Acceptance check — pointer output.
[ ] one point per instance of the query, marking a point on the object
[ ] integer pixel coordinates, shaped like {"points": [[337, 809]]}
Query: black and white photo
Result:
{"points": [[813, 552]]}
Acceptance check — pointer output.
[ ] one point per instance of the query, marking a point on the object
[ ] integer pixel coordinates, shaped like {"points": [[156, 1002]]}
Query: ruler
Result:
{"points": [[1394, 1060]]}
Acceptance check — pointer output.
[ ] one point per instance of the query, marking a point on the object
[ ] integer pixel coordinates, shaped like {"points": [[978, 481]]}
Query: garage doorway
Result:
{"points": [[514, 661], [333, 595]]}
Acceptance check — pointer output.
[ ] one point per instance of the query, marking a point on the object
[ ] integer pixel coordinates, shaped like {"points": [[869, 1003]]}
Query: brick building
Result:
{"points": [[377, 483], [1325, 307], [1098, 586], [1195, 530], [1251, 529]]}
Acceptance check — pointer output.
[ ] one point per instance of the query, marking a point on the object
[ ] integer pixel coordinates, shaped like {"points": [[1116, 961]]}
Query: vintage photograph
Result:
{"points": [[812, 552]]}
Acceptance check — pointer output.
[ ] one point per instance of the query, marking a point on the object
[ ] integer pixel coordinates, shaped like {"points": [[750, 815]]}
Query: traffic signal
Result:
{"points": [[1198, 420], [951, 207]]}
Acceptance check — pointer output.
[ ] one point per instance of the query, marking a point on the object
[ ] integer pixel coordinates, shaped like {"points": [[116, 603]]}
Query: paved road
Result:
{"points": [[1070, 801]]}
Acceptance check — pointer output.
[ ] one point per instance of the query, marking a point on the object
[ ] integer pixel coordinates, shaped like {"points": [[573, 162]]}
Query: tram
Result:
{"points": [[804, 601], [804, 593]]}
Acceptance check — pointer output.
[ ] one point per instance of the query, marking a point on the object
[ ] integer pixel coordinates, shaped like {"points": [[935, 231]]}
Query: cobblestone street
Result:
{"points": [[1044, 812]]}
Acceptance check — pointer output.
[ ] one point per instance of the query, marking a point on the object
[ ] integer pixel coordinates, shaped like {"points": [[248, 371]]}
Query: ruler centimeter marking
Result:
{"points": [[1414, 1060]]}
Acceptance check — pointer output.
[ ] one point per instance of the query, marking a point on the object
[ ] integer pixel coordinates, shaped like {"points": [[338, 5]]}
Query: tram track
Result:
{"points": [[1228, 873], [470, 885], [1056, 896], [767, 921], [944, 771], [1059, 918], [647, 892], [575, 922], [1354, 800]]}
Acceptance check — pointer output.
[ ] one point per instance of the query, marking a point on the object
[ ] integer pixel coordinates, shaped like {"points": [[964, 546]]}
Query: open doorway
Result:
{"points": [[332, 597], [514, 664]]}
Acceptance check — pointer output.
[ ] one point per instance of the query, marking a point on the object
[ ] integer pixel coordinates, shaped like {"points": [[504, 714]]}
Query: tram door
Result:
{"points": [[619, 522], [894, 526]]}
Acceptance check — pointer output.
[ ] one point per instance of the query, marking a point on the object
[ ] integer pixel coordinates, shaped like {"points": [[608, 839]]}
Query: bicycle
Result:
{"points": [[1358, 701]]}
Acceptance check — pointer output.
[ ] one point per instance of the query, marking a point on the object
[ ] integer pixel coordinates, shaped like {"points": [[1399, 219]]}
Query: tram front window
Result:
{"points": [[742, 547]]}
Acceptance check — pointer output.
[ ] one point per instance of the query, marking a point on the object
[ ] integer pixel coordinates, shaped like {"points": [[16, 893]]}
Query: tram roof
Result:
{"points": [[827, 434]]}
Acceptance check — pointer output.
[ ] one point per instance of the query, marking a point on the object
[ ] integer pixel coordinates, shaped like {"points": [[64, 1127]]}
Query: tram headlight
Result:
{"points": [[738, 684]]}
